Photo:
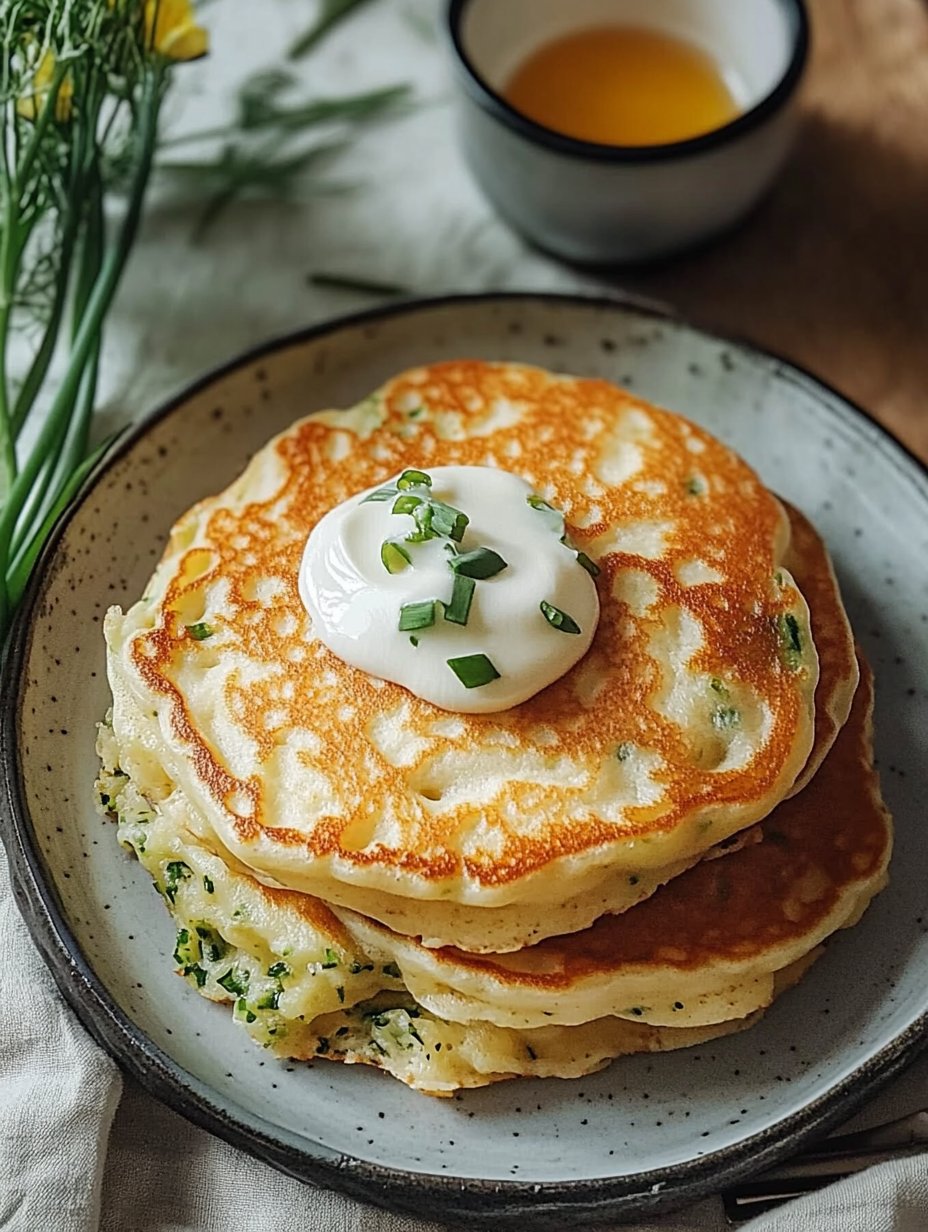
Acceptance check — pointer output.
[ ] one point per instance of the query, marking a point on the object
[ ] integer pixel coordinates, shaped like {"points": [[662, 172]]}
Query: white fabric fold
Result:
{"points": [[58, 1093]]}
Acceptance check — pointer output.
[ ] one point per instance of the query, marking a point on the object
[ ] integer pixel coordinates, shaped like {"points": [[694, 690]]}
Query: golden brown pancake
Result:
{"points": [[627, 767], [808, 561], [704, 948], [700, 959]]}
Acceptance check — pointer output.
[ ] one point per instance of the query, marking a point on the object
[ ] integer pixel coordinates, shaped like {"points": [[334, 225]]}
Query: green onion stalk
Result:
{"points": [[82, 84]]}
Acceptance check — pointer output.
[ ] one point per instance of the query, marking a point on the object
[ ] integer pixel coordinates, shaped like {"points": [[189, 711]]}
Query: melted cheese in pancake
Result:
{"points": [[301, 987], [325, 780]]}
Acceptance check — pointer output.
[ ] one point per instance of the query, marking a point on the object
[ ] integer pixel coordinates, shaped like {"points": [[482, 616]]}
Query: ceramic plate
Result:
{"points": [[648, 1132]]}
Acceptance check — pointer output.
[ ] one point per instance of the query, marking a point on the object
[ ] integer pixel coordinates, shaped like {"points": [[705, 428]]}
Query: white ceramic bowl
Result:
{"points": [[598, 203]]}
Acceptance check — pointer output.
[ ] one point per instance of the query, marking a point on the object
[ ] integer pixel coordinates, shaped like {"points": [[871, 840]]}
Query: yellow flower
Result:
{"points": [[30, 105], [170, 29]]}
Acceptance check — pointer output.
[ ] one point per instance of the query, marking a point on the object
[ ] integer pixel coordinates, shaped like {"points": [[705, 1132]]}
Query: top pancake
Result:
{"points": [[689, 719]]}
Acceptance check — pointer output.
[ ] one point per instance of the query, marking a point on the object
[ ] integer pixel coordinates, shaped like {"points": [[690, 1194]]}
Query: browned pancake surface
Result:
{"points": [[713, 508], [816, 846]]}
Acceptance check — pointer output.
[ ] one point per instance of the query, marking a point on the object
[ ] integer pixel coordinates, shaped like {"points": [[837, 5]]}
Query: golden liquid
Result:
{"points": [[622, 86]]}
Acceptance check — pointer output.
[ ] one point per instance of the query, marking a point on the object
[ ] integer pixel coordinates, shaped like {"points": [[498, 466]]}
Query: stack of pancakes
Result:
{"points": [[638, 858]]}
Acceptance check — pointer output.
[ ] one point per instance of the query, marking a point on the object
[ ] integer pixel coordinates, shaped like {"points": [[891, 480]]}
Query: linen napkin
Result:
{"points": [[81, 1148]]}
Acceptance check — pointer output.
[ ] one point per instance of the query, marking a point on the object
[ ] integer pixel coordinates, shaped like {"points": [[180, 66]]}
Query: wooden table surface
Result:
{"points": [[832, 271]]}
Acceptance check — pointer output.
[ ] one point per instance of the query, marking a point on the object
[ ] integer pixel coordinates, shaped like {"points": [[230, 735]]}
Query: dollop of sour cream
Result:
{"points": [[473, 614]]}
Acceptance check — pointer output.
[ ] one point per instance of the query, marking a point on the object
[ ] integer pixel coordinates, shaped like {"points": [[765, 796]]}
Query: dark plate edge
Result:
{"points": [[415, 1193]]}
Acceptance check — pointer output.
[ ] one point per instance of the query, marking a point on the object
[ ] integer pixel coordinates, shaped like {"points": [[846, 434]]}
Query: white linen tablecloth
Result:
{"points": [[81, 1148]]}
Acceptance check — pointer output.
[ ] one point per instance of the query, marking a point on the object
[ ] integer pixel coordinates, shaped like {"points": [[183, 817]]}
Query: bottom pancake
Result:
{"points": [[702, 958]]}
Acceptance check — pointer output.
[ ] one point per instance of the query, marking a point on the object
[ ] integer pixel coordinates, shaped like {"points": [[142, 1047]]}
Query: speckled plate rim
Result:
{"points": [[457, 1199]]}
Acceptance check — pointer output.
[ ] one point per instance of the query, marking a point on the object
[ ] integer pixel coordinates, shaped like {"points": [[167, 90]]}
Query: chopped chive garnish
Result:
{"points": [[200, 631], [790, 640], [446, 520], [234, 981], [422, 516], [331, 959], [414, 641], [214, 944], [341, 992], [175, 872], [394, 972], [417, 616], [695, 486], [726, 717], [208, 885], [462, 595], [480, 563], [197, 972], [268, 1000], [413, 479], [187, 949], [356, 968], [539, 502], [382, 494], [406, 502], [625, 750], [394, 556], [278, 970], [589, 565], [557, 619], [241, 1008], [473, 671], [717, 687]]}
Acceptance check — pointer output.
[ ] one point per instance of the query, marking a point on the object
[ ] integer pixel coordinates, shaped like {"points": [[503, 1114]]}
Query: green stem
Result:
{"points": [[88, 331], [11, 248], [332, 12], [84, 185], [203, 134], [19, 574], [44, 118], [49, 481], [91, 250], [38, 368], [9, 261], [70, 444]]}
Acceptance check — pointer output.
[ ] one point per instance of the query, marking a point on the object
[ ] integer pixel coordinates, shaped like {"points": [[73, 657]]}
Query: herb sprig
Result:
{"points": [[82, 83], [263, 152], [539, 503]]}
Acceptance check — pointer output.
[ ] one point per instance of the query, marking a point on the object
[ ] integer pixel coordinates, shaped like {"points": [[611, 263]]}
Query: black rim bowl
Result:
{"points": [[490, 101]]}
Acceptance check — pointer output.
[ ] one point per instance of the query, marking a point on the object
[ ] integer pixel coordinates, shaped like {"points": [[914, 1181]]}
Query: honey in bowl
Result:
{"points": [[622, 86]]}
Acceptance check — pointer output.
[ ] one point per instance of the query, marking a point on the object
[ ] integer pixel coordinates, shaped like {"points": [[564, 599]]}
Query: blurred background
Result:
{"points": [[829, 271]]}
